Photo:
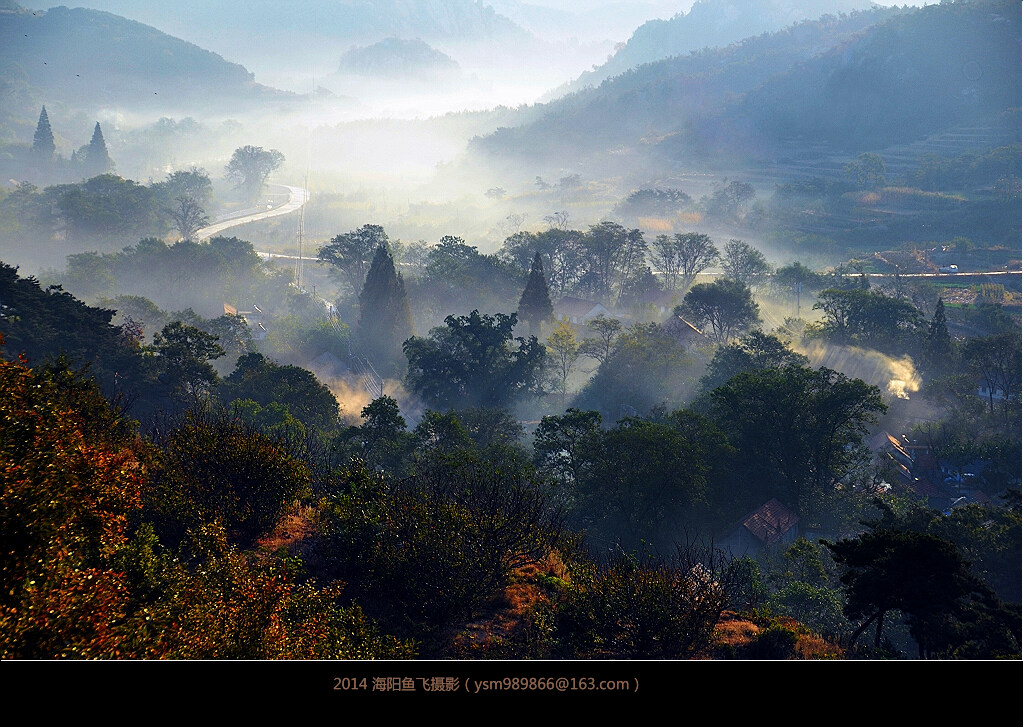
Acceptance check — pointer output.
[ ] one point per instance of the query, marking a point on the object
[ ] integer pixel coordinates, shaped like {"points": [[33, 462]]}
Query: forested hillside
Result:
{"points": [[860, 81], [91, 59], [708, 25]]}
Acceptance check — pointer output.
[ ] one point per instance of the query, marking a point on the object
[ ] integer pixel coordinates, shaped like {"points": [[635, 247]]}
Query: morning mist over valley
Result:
{"points": [[510, 330]]}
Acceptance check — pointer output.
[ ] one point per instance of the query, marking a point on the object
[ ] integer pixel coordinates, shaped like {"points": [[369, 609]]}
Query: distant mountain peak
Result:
{"points": [[395, 57], [710, 24], [91, 58]]}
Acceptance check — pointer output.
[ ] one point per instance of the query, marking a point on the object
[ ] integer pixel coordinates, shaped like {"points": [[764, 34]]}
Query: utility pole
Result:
{"points": [[301, 235], [299, 266]]}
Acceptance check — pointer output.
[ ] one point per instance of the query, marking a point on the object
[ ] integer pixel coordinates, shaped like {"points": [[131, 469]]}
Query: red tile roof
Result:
{"points": [[770, 522]]}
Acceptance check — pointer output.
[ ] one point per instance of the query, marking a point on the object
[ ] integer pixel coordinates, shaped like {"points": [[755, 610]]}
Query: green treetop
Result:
{"points": [[535, 304], [42, 144], [385, 319], [938, 343], [95, 158]]}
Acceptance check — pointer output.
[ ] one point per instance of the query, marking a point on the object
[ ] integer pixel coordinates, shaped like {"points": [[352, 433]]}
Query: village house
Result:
{"points": [[764, 530], [578, 311]]}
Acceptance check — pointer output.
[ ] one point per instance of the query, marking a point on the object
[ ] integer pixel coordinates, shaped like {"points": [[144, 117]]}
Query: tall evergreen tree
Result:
{"points": [[385, 319], [43, 147], [938, 343], [535, 304], [95, 158]]}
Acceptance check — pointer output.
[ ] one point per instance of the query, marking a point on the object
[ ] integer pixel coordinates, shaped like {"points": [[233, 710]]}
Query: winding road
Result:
{"points": [[298, 197]]}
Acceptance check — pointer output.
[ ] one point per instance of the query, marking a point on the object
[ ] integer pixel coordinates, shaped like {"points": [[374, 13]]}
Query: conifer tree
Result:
{"points": [[535, 304], [95, 158], [43, 147], [938, 343], [385, 319]]}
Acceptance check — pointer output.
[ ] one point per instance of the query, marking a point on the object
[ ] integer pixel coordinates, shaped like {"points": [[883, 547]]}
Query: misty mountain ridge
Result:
{"points": [[854, 82], [397, 58], [353, 20], [652, 100], [708, 24], [90, 59], [605, 22], [295, 39]]}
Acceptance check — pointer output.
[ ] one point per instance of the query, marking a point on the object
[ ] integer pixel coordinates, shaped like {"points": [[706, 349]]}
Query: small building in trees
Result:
{"points": [[990, 393], [889, 448], [578, 311], [663, 301], [684, 332], [766, 529], [254, 318]]}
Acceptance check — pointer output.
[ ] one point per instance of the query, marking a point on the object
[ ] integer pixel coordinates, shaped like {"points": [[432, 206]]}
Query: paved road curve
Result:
{"points": [[298, 197]]}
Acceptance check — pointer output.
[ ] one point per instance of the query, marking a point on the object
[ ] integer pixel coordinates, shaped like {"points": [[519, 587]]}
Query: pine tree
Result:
{"points": [[95, 158], [938, 343], [42, 144], [385, 319], [535, 304]]}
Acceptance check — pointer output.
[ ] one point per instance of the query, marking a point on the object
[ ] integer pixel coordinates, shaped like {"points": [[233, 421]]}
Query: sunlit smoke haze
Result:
{"points": [[897, 376]]}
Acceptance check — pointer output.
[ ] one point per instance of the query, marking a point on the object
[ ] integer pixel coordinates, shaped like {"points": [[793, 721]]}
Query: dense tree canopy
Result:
{"points": [[437, 546], [352, 253], [216, 469], [995, 360], [459, 277], [866, 317], [69, 472], [797, 279], [798, 431], [70, 481], [47, 323], [261, 380], [724, 308], [183, 354], [106, 206], [730, 199], [925, 579], [755, 351], [198, 275], [611, 253], [251, 165], [744, 264], [473, 360], [641, 482], [184, 197], [559, 249], [647, 367], [83, 573], [655, 203]]}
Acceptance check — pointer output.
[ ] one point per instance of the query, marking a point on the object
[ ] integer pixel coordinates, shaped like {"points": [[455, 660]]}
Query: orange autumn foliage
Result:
{"points": [[70, 478]]}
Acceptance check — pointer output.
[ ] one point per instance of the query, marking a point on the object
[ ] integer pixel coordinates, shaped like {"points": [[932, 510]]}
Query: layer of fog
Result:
{"points": [[400, 143]]}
